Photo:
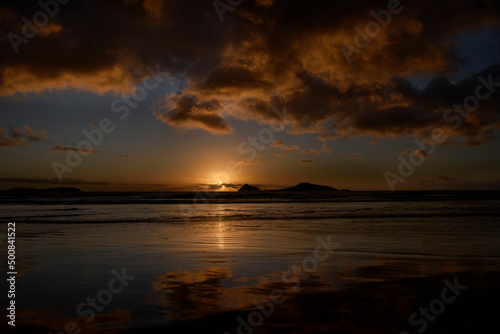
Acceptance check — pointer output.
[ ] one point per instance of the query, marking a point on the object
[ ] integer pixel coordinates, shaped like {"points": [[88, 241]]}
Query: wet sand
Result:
{"points": [[343, 275], [368, 307]]}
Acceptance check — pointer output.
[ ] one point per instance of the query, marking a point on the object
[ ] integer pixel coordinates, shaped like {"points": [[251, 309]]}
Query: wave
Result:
{"points": [[180, 219], [165, 198]]}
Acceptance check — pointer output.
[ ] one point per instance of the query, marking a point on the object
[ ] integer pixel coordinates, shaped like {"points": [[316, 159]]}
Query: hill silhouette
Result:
{"points": [[248, 188], [305, 186]]}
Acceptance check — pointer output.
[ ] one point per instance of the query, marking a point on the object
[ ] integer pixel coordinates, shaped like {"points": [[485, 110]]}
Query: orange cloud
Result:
{"points": [[269, 57], [22, 80], [186, 111]]}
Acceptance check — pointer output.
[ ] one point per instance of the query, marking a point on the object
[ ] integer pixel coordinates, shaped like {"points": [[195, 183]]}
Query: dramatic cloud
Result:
{"points": [[188, 112], [265, 55], [62, 148], [305, 161], [19, 137]]}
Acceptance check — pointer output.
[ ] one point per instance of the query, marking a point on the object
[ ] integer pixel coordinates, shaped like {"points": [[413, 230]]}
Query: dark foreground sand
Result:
{"points": [[369, 307]]}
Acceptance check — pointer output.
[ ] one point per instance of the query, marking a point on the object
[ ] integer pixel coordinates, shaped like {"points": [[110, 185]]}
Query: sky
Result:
{"points": [[143, 95]]}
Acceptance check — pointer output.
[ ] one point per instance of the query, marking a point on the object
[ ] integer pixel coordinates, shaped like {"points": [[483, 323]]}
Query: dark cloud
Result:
{"points": [[62, 148], [264, 56], [232, 79], [187, 112], [19, 137], [279, 143], [305, 161]]}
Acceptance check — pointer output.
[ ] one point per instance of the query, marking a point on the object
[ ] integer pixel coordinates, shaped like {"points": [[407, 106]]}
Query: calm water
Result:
{"points": [[195, 261]]}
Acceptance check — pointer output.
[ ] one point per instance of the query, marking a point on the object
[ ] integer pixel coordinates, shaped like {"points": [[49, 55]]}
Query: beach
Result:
{"points": [[246, 167], [338, 264]]}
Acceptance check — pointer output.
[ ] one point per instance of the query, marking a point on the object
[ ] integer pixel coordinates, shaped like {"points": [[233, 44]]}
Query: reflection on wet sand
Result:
{"points": [[187, 295], [58, 321], [374, 298], [212, 280], [377, 296]]}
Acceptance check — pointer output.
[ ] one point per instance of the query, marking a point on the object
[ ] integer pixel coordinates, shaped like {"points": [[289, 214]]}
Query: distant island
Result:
{"points": [[68, 191], [248, 188], [304, 186]]}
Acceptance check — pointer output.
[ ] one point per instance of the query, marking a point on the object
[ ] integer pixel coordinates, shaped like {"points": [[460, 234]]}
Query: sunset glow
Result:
{"points": [[250, 166], [226, 98]]}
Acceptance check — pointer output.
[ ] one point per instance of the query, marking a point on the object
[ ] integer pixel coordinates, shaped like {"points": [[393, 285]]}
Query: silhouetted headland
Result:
{"points": [[305, 186], [248, 188]]}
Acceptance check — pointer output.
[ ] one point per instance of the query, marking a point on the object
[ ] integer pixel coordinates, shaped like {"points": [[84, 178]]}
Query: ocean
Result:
{"points": [[271, 262]]}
